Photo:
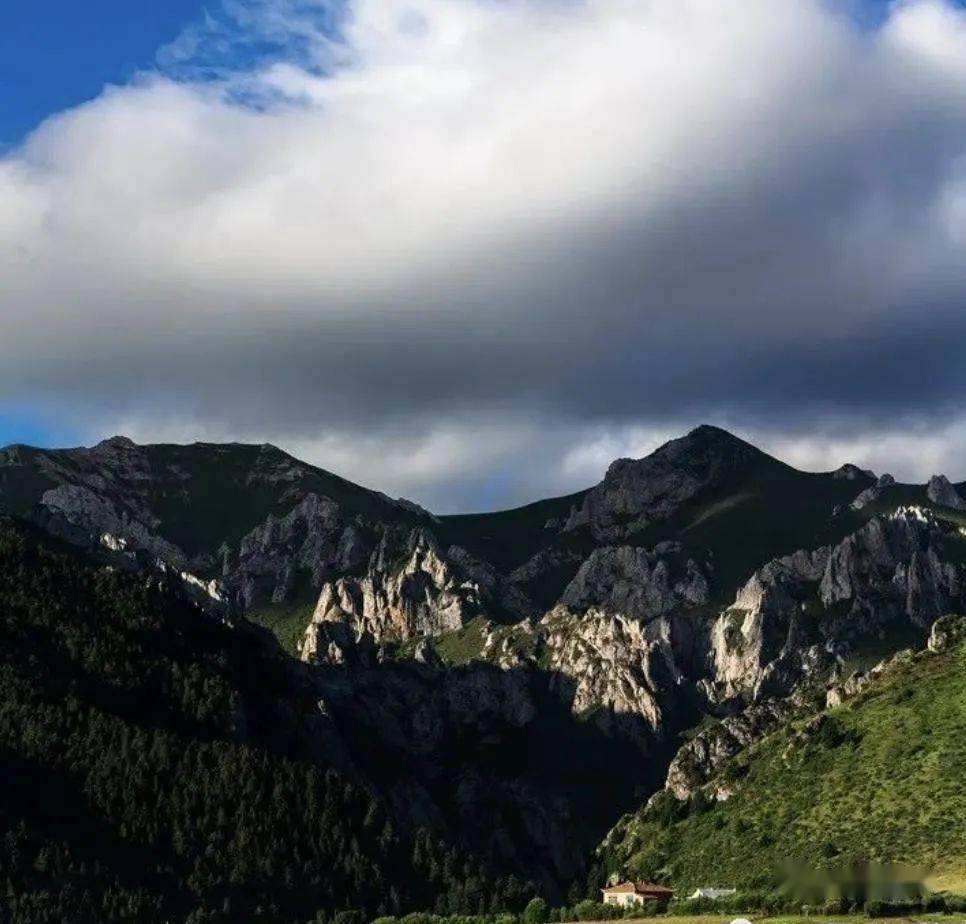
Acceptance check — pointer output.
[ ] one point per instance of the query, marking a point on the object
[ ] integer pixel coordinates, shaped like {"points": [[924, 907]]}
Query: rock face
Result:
{"points": [[311, 539], [699, 760], [940, 491], [946, 632], [797, 614], [759, 642], [411, 589], [892, 567], [638, 492], [635, 582], [615, 668], [261, 525], [873, 492]]}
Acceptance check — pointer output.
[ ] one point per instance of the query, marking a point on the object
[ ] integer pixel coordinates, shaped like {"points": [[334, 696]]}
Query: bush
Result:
{"points": [[347, 917], [536, 912], [589, 910]]}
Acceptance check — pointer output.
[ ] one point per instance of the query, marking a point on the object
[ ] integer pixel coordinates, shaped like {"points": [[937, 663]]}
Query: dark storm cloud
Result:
{"points": [[480, 256]]}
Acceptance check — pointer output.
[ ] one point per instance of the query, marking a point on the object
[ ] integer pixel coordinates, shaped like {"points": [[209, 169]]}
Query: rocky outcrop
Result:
{"points": [[947, 632], [412, 589], [703, 756], [638, 492], [760, 642], [873, 492], [941, 491], [409, 591], [313, 539], [609, 664], [250, 525], [892, 567], [798, 614], [635, 582], [624, 674]]}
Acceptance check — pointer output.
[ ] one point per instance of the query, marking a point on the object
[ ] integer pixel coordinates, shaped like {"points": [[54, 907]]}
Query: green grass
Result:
{"points": [[464, 644], [222, 499], [286, 621], [509, 537], [788, 919], [883, 777]]}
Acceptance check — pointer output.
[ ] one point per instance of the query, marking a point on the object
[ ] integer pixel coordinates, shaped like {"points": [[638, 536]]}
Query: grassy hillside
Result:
{"points": [[882, 777], [286, 621]]}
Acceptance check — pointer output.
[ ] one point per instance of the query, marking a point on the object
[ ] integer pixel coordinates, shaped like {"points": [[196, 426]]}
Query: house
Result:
{"points": [[713, 894], [636, 893]]}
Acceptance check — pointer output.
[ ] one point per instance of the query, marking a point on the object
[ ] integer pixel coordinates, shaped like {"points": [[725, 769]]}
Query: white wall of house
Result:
{"points": [[623, 898]]}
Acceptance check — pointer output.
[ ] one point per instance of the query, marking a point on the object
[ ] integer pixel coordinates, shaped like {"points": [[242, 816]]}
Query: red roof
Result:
{"points": [[639, 888]]}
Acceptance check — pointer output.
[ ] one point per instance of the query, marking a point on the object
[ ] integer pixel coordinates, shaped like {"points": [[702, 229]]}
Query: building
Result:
{"points": [[636, 893], [713, 894]]}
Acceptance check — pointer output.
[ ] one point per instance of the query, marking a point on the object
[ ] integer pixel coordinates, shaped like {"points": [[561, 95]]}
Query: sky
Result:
{"points": [[471, 251]]}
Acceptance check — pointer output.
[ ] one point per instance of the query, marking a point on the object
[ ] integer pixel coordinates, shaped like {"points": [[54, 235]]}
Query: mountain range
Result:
{"points": [[543, 689]]}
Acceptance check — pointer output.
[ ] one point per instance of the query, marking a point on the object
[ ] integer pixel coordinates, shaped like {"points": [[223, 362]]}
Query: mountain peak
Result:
{"points": [[707, 436], [637, 492], [117, 441]]}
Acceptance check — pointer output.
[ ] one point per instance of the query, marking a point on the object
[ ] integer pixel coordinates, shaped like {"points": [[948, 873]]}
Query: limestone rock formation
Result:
{"points": [[634, 582], [946, 632], [700, 759], [313, 538], [892, 566], [941, 491], [762, 639]]}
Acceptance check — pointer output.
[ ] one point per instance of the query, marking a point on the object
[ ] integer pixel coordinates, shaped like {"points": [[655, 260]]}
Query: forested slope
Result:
{"points": [[158, 765]]}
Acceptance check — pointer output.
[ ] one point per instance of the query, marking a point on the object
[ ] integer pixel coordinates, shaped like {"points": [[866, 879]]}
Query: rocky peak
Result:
{"points": [[873, 492], [637, 492], [852, 472], [118, 441], [941, 491]]}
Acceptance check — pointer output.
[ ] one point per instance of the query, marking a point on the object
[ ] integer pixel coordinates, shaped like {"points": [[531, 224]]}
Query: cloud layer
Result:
{"points": [[464, 249]]}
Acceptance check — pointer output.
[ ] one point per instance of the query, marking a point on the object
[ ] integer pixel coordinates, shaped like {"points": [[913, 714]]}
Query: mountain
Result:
{"points": [[517, 681], [877, 775]]}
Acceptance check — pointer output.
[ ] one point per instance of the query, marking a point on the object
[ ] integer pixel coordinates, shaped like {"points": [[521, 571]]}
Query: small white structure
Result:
{"points": [[713, 894]]}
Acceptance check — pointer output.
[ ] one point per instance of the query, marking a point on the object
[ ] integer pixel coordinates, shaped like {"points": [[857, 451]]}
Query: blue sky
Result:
{"points": [[57, 53]]}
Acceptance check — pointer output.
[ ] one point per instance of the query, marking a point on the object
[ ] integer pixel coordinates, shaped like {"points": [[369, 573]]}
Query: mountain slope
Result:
{"points": [[159, 765], [707, 582], [880, 777]]}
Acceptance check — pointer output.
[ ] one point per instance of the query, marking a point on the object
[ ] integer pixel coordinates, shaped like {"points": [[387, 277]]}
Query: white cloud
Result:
{"points": [[575, 220]]}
